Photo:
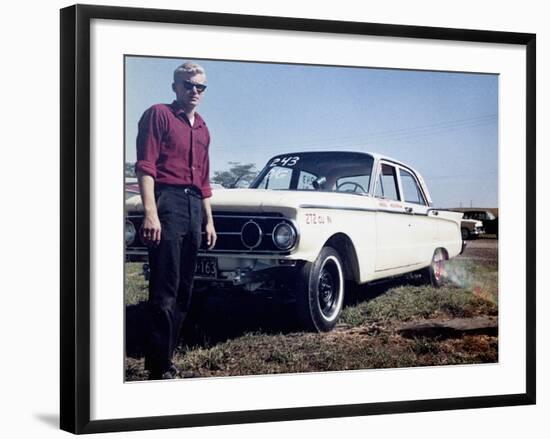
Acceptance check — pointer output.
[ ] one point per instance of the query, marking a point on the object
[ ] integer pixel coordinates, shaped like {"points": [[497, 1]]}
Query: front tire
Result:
{"points": [[320, 294]]}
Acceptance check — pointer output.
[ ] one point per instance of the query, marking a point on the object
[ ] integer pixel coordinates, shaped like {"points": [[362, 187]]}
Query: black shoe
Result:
{"points": [[174, 370], [170, 374], [161, 376]]}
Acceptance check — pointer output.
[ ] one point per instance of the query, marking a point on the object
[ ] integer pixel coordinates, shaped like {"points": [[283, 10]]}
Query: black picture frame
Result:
{"points": [[75, 217]]}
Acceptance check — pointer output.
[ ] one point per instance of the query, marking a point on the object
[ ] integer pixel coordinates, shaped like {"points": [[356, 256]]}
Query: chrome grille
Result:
{"points": [[229, 226], [240, 232]]}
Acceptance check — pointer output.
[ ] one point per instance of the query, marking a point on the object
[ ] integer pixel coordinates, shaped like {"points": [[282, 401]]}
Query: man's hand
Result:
{"points": [[209, 224], [211, 236], [150, 230]]}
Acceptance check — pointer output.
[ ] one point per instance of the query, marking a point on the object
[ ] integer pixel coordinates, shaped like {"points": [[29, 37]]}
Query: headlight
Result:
{"points": [[129, 232], [284, 236], [251, 235]]}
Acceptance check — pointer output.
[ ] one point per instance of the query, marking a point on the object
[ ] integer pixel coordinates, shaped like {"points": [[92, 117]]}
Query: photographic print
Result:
{"points": [[292, 219], [355, 211]]}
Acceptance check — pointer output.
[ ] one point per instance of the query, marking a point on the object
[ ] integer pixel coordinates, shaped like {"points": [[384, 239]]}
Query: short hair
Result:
{"points": [[189, 68]]}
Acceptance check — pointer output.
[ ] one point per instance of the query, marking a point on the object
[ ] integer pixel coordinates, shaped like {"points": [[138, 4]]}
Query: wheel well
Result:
{"points": [[343, 245], [444, 250]]}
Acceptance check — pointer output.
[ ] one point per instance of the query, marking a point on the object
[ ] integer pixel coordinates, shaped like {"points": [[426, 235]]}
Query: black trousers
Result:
{"points": [[172, 266]]}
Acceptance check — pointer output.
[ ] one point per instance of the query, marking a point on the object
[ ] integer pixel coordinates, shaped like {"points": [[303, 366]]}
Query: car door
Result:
{"points": [[422, 228], [392, 226]]}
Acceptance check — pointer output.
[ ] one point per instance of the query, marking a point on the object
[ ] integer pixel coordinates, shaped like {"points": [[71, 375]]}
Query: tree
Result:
{"points": [[238, 175]]}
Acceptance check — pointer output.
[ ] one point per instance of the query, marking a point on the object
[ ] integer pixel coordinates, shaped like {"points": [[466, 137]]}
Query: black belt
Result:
{"points": [[189, 189]]}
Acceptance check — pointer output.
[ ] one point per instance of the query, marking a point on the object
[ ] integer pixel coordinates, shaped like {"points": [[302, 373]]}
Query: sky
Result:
{"points": [[443, 124]]}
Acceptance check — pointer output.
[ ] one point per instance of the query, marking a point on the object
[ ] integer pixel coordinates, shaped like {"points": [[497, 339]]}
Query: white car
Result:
{"points": [[311, 221]]}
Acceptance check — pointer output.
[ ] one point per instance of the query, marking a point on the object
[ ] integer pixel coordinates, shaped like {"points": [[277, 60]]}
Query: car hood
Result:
{"points": [[267, 200], [134, 204], [264, 200]]}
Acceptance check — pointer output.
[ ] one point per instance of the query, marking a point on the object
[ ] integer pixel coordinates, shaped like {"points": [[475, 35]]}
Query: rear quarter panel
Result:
{"points": [[448, 232]]}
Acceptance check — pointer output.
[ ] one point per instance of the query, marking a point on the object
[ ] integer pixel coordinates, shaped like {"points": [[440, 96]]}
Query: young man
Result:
{"points": [[173, 174]]}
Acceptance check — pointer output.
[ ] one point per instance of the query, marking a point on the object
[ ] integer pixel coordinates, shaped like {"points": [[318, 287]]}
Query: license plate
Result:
{"points": [[206, 267]]}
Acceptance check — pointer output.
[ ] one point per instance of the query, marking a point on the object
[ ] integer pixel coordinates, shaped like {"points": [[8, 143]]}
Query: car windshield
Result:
{"points": [[321, 171]]}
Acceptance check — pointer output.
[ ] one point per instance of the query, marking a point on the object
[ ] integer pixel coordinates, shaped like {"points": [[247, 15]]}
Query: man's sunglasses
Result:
{"points": [[188, 85]]}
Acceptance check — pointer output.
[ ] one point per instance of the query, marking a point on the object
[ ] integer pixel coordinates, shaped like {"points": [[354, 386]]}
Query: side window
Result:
{"points": [[386, 185], [411, 191], [277, 178]]}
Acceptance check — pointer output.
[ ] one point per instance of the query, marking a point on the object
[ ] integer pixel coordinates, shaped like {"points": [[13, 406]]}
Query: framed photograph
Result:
{"points": [[276, 218]]}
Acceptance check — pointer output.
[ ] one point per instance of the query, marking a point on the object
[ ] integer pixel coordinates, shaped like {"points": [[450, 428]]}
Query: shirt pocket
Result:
{"points": [[201, 138]]}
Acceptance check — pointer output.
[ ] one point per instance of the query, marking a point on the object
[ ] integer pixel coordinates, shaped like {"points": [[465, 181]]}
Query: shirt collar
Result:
{"points": [[178, 111]]}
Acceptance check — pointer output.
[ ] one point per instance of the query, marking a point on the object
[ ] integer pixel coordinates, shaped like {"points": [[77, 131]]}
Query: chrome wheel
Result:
{"points": [[320, 292], [330, 288]]}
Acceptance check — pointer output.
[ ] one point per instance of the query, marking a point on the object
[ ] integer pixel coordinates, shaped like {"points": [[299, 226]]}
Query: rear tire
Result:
{"points": [[320, 294], [465, 234], [435, 273]]}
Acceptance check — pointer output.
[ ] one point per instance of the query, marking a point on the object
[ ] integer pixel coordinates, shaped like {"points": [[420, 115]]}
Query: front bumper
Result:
{"points": [[253, 277], [250, 270], [248, 273], [137, 254]]}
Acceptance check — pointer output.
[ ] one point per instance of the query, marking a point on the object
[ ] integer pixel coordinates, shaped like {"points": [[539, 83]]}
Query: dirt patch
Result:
{"points": [[485, 250], [450, 328]]}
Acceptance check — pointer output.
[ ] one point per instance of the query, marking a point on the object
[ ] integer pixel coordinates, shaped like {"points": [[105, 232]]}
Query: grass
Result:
{"points": [[250, 336], [135, 285], [407, 303]]}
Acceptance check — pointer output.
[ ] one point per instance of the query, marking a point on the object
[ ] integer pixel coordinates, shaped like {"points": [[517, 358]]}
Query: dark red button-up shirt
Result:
{"points": [[171, 150]]}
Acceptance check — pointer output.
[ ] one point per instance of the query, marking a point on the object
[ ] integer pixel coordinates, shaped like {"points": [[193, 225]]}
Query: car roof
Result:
{"points": [[377, 157]]}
